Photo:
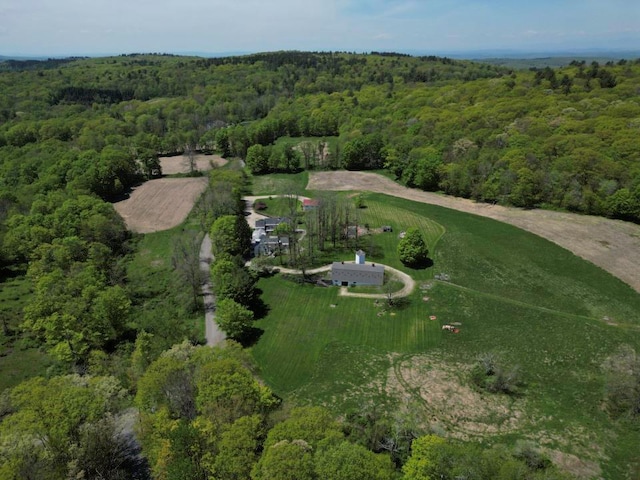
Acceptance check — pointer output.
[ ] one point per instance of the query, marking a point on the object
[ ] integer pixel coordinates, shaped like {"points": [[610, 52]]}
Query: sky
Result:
{"points": [[105, 27]]}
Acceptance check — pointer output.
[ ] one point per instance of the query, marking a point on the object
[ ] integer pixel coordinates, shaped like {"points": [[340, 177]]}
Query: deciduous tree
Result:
{"points": [[349, 461], [412, 249], [233, 318], [231, 234]]}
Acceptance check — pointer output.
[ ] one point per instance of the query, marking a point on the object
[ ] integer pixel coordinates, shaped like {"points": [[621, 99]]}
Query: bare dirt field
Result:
{"points": [[180, 163], [610, 244], [160, 204]]}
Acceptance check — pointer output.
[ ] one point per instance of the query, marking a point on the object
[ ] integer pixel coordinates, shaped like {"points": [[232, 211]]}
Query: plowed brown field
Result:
{"points": [[180, 163], [610, 244], [160, 204]]}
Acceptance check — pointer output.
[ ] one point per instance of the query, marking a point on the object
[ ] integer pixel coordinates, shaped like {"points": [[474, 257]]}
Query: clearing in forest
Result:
{"points": [[160, 204], [612, 245], [180, 163], [537, 307]]}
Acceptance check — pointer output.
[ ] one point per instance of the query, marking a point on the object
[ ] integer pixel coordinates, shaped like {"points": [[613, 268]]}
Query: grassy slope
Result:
{"points": [[20, 358], [160, 299], [277, 207], [516, 294], [279, 183]]}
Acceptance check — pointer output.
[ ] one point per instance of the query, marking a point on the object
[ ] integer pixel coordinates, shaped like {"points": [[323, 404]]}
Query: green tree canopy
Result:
{"points": [[363, 153], [349, 461], [412, 249], [238, 448], [285, 460], [75, 312], [233, 318], [44, 427], [231, 234], [311, 424], [258, 159], [233, 281]]}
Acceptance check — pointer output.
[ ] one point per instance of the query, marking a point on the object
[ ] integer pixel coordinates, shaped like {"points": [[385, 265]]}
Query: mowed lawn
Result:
{"points": [[496, 272], [302, 324], [514, 294]]}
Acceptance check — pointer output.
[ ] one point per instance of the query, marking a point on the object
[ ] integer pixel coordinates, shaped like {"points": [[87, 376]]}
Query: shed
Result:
{"points": [[310, 204]]}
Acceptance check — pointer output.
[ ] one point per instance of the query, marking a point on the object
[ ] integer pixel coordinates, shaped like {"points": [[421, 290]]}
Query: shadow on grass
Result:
{"points": [[259, 308], [421, 265], [251, 337], [9, 272], [400, 303], [374, 251]]}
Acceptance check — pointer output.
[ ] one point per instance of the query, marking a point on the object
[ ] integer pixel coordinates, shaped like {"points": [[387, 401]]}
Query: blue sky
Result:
{"points": [[97, 27]]}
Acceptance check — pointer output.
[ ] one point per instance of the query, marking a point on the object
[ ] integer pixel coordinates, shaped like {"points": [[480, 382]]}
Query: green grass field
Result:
{"points": [[160, 299], [20, 357], [278, 206], [531, 302], [279, 183]]}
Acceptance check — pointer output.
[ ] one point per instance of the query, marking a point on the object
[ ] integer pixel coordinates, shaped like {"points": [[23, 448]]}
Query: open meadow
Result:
{"points": [[613, 245], [512, 294]]}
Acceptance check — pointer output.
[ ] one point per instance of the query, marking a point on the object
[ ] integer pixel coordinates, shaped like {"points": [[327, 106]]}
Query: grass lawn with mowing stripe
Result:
{"points": [[517, 295], [303, 321]]}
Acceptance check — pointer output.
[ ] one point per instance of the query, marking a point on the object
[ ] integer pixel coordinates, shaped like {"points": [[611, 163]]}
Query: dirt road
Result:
{"points": [[212, 332], [610, 244]]}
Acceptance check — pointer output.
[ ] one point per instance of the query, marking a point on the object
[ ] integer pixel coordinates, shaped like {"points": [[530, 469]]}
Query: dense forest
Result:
{"points": [[77, 134], [563, 138]]}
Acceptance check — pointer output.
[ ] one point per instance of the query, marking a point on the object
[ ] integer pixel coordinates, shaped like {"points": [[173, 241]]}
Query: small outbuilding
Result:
{"points": [[310, 204]]}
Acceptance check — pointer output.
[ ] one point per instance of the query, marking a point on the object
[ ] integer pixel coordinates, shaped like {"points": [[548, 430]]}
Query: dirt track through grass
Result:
{"points": [[612, 245]]}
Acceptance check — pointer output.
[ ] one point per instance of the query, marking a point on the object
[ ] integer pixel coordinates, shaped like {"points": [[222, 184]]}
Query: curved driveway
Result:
{"points": [[409, 283]]}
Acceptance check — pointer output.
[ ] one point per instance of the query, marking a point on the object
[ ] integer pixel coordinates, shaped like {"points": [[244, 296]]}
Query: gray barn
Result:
{"points": [[352, 274]]}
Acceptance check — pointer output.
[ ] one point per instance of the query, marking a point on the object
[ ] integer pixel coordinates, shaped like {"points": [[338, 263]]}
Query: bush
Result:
{"points": [[493, 377], [622, 387]]}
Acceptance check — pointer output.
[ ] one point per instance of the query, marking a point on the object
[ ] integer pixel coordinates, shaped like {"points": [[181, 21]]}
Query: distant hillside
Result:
{"points": [[549, 61], [9, 63]]}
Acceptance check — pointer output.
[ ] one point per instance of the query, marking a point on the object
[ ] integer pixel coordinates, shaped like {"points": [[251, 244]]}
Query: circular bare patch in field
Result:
{"points": [[180, 163], [160, 204], [613, 245], [449, 401]]}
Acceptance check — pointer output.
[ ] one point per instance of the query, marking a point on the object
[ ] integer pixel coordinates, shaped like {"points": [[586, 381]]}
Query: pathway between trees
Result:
{"points": [[213, 334]]}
